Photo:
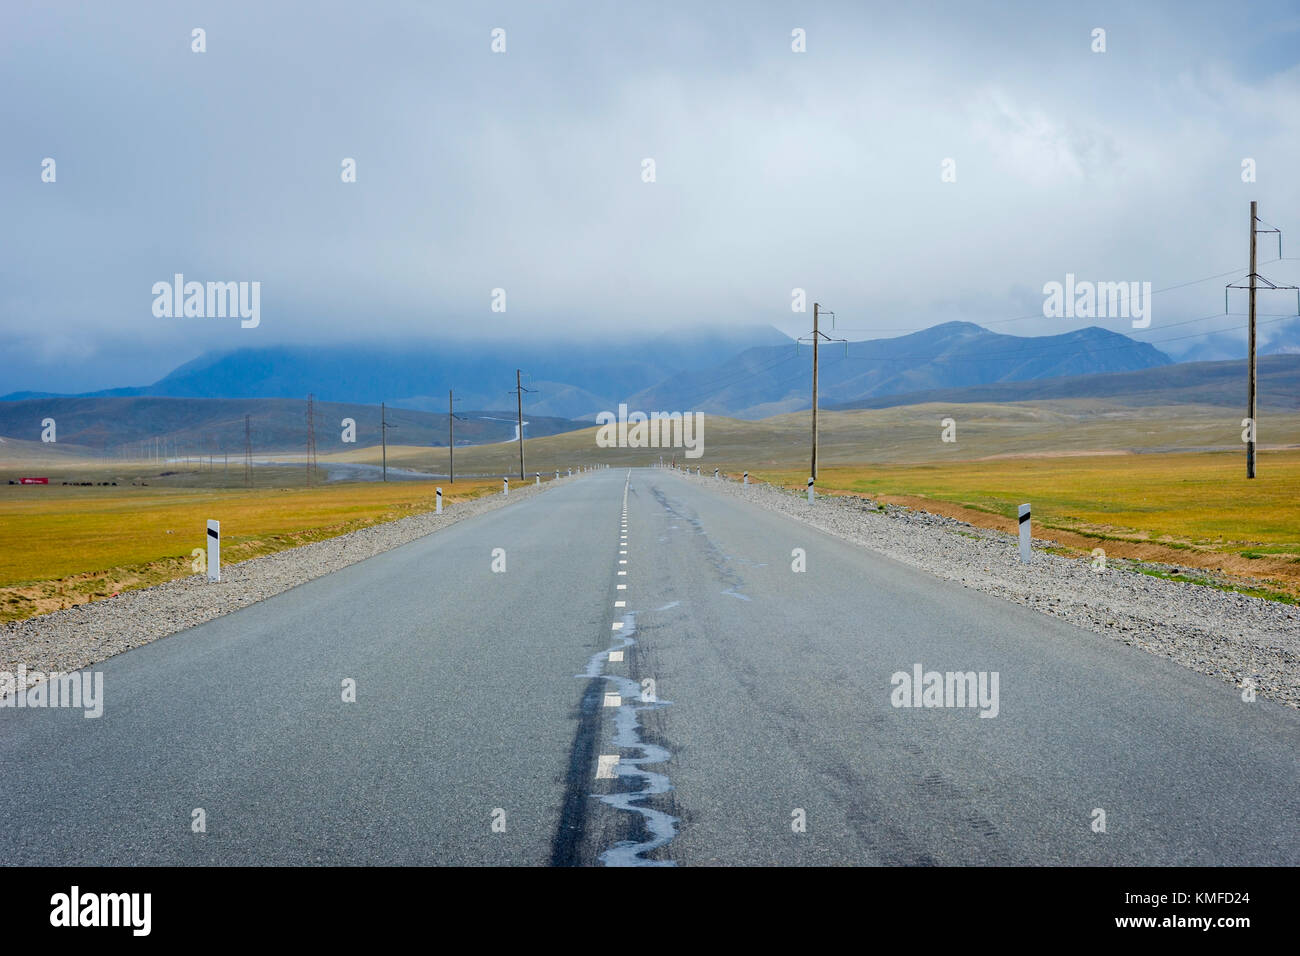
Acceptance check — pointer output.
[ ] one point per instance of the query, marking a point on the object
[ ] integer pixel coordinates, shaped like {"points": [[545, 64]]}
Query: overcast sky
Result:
{"points": [[523, 170]]}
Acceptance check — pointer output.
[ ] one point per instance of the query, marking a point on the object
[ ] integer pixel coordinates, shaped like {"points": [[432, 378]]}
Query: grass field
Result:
{"points": [[1195, 509], [910, 433], [61, 546]]}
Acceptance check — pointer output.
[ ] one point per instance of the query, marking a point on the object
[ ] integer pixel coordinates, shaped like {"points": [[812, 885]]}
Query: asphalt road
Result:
{"points": [[482, 732]]}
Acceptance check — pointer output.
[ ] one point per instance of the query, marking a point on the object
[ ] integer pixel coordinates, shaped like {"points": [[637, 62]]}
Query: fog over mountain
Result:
{"points": [[523, 171]]}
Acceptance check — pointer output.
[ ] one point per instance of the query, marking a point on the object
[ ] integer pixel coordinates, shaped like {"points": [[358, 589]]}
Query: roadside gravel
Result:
{"points": [[79, 636], [1218, 633]]}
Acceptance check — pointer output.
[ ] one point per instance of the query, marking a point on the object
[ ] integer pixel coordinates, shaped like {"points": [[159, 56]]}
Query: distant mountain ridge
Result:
{"points": [[569, 378], [746, 373], [1187, 383], [770, 381]]}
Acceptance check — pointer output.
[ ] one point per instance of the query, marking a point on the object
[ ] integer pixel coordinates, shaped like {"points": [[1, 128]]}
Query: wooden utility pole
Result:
{"points": [[1252, 422], [311, 440], [519, 405], [1250, 400], [451, 440], [519, 392], [816, 337], [248, 452]]}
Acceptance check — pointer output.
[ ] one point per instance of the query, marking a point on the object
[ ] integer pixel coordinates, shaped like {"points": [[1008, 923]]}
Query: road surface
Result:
{"points": [[482, 732]]}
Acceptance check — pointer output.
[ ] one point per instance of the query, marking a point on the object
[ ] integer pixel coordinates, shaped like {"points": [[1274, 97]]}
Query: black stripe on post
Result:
{"points": [[212, 533], [1024, 517]]}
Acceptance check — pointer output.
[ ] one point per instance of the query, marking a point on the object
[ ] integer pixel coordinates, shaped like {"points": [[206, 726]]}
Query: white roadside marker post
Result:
{"points": [[214, 550], [539, 477], [715, 474], [1024, 534], [570, 472], [810, 490], [557, 476], [746, 477], [438, 507], [505, 486]]}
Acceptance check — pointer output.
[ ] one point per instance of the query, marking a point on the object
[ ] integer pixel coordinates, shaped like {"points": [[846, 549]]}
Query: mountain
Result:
{"points": [[1187, 383], [569, 378], [772, 380], [214, 426], [746, 373]]}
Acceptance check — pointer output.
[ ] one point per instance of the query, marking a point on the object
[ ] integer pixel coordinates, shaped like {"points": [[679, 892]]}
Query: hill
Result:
{"points": [[209, 426]]}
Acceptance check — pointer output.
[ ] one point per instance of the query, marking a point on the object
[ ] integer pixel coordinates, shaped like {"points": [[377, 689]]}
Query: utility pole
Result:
{"points": [[816, 342], [311, 440], [383, 435], [519, 394], [1250, 392], [817, 336], [519, 405], [451, 438], [248, 452], [1252, 421]]}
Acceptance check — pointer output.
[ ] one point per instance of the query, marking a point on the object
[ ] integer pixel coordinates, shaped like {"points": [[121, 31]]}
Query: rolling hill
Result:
{"points": [[209, 426]]}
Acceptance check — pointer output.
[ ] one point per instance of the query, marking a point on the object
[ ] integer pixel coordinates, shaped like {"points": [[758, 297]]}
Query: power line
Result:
{"points": [[1061, 346], [1039, 315], [740, 377]]}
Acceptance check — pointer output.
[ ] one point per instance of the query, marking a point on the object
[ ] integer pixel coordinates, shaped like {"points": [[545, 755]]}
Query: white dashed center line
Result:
{"points": [[615, 656], [606, 766]]}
